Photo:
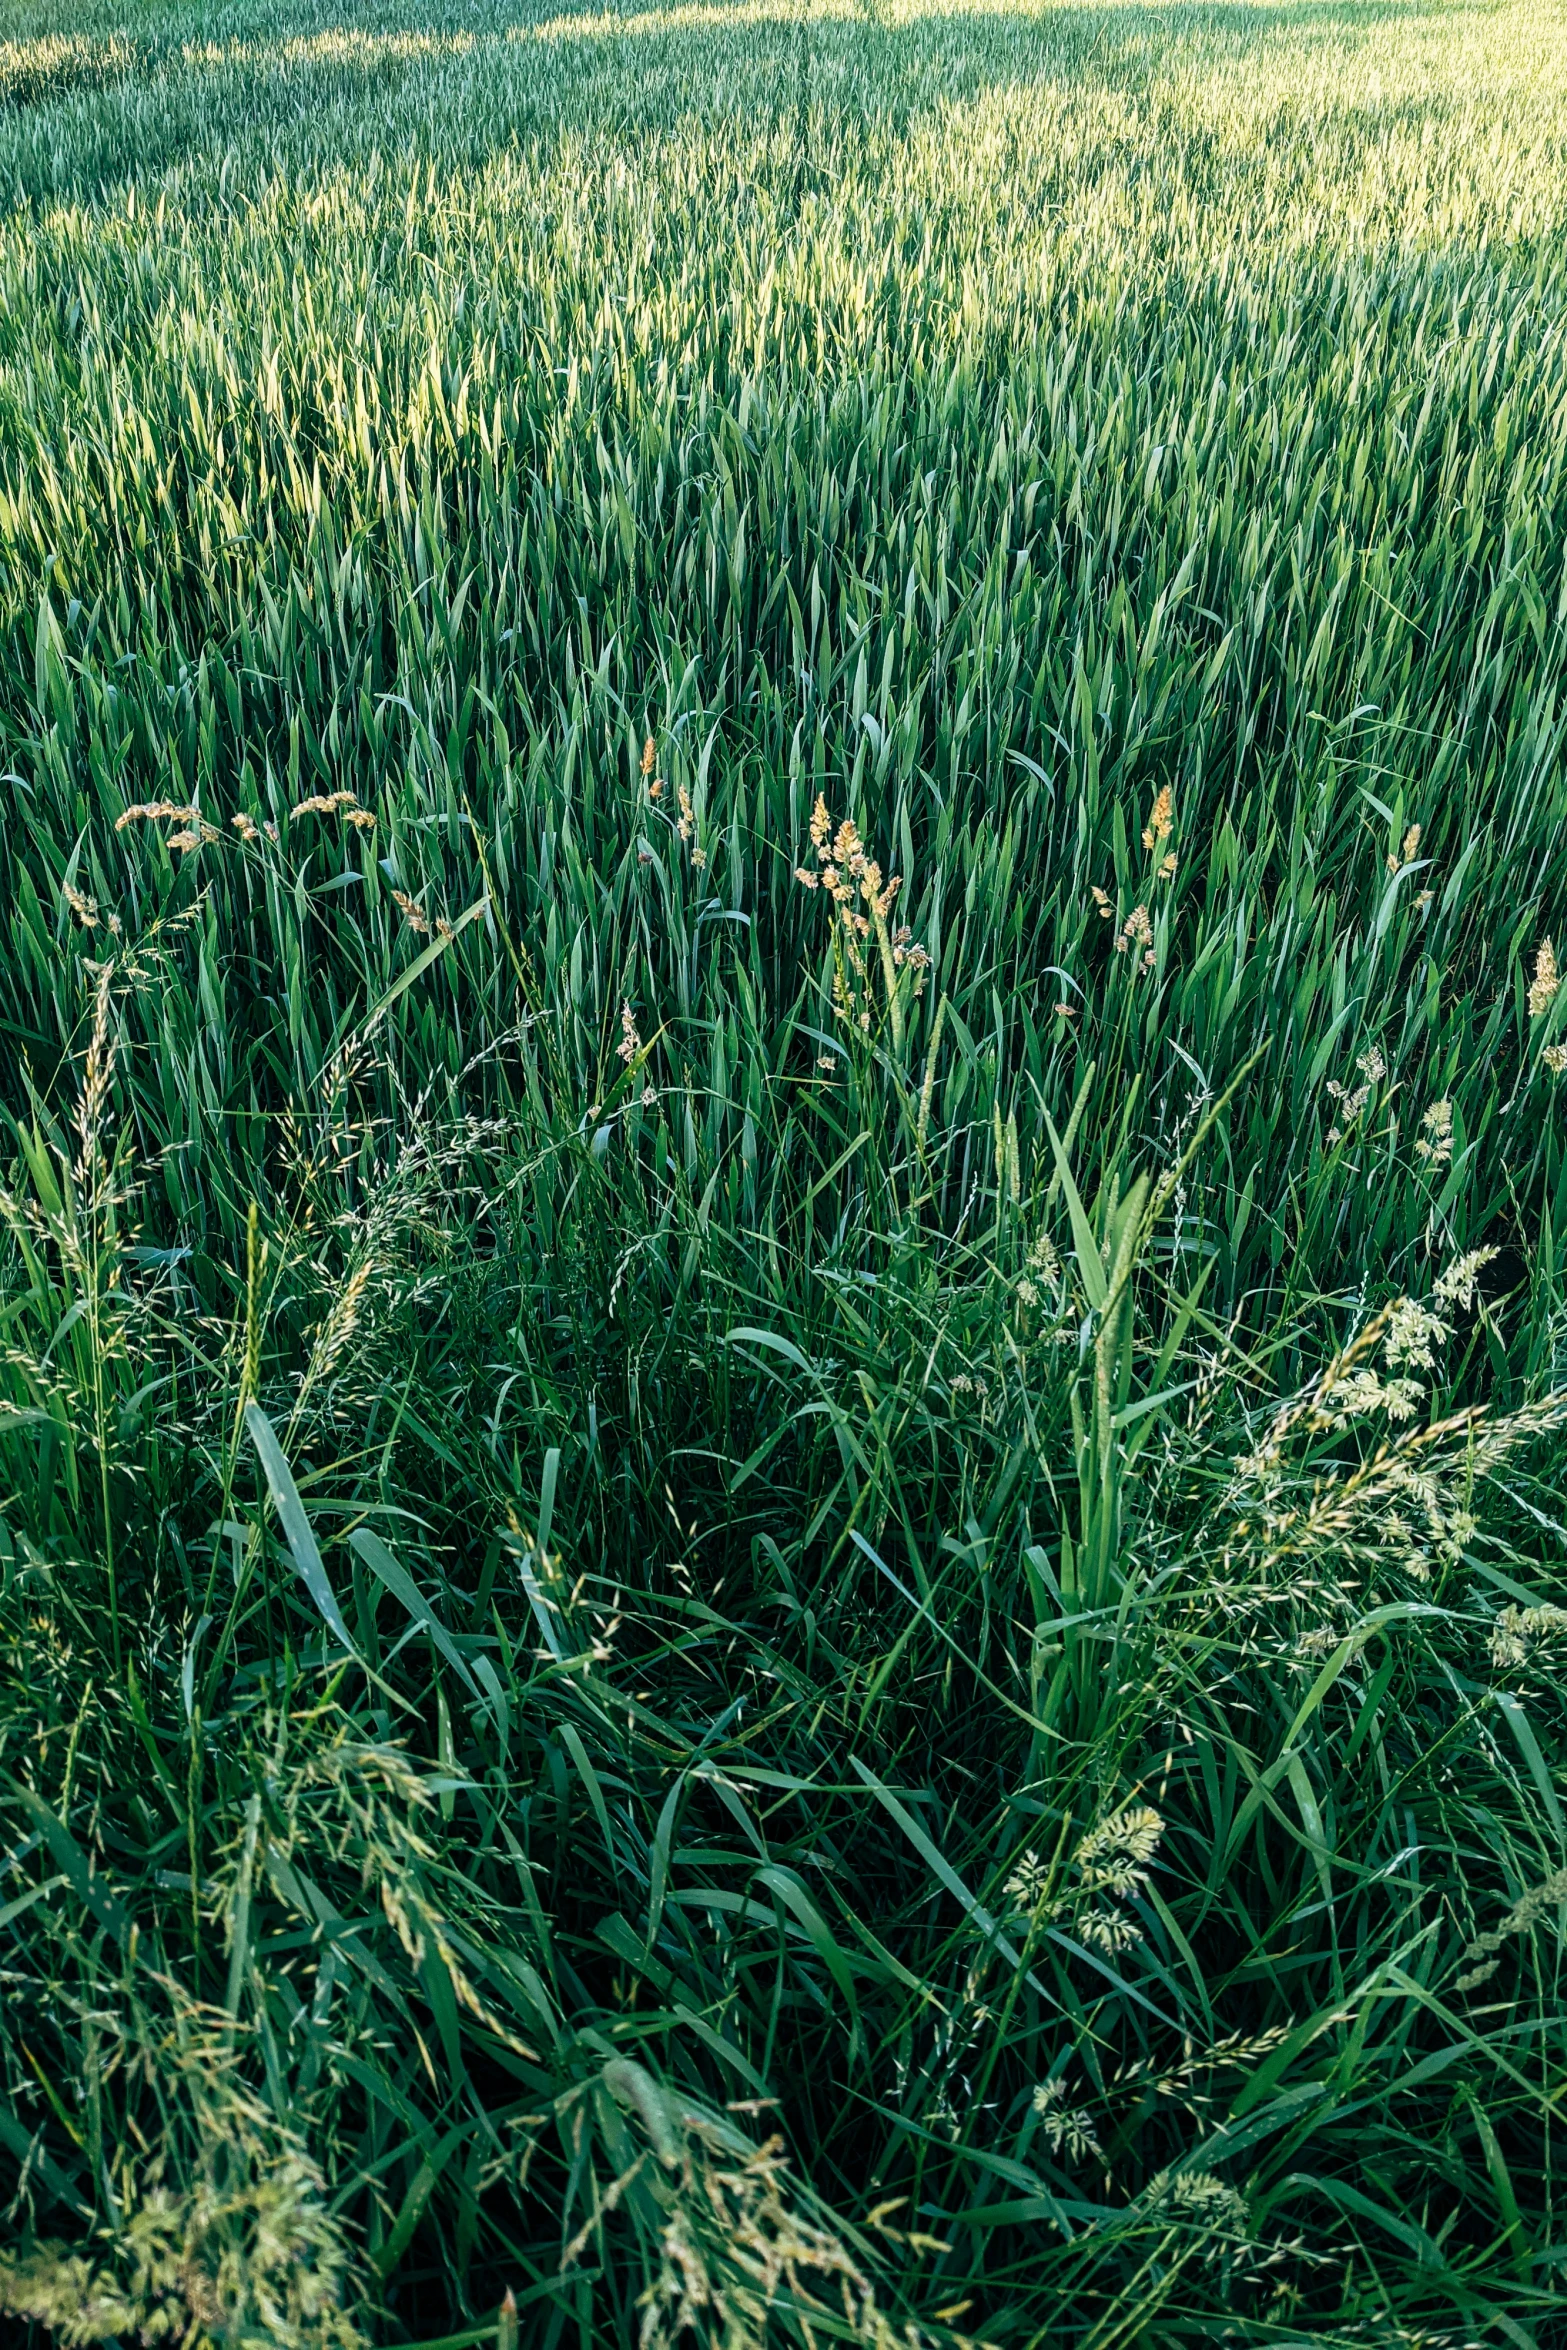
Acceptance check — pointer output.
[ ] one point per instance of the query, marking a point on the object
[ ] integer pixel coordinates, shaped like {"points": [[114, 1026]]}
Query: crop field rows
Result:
{"points": [[783, 1096]]}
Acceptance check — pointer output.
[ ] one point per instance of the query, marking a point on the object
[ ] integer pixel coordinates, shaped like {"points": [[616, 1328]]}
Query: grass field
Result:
{"points": [[782, 1201]]}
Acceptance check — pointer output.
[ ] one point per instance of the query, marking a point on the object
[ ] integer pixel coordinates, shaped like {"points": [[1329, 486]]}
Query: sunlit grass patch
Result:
{"points": [[32, 72]]}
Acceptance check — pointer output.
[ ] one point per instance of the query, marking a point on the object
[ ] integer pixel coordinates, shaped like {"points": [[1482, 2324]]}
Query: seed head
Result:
{"points": [[1029, 1880], [1412, 1333], [1542, 991], [1065, 2126], [1517, 1630], [156, 812], [323, 804], [1114, 1856], [1137, 931], [1201, 2199], [630, 1042], [1363, 1392], [1408, 853], [1436, 1143], [1457, 1285]]}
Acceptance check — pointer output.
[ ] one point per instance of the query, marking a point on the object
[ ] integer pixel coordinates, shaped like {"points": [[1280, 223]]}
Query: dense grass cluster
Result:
{"points": [[782, 1194]]}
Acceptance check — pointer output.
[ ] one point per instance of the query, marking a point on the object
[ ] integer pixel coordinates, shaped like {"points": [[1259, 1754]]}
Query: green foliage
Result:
{"points": [[780, 1320]]}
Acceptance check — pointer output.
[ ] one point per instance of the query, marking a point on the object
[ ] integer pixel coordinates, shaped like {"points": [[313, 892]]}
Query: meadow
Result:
{"points": [[783, 1361]]}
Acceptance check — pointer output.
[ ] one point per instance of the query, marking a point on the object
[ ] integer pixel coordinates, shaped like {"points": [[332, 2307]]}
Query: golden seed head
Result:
{"points": [[1407, 854], [630, 1042], [1542, 992]]}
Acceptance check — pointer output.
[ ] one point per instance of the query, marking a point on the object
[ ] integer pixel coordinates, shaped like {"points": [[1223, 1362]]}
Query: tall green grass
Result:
{"points": [[736, 1632]]}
